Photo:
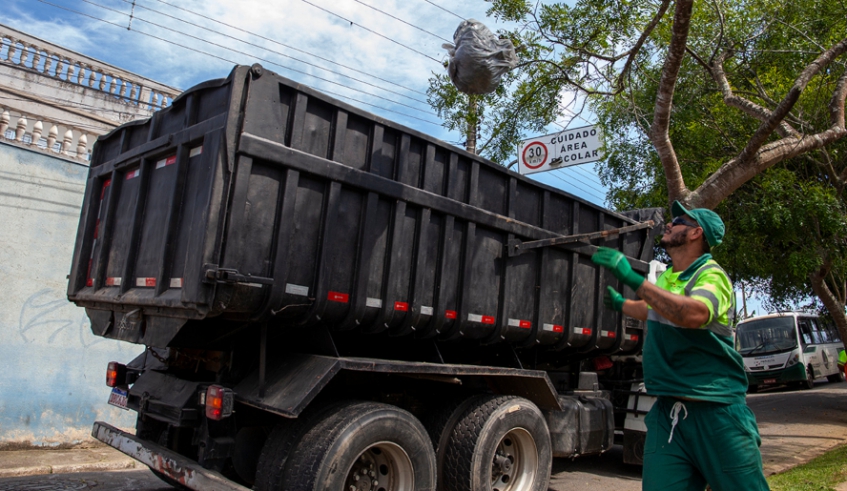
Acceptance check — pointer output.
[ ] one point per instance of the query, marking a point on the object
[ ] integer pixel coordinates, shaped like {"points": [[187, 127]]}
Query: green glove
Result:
{"points": [[616, 262], [613, 299]]}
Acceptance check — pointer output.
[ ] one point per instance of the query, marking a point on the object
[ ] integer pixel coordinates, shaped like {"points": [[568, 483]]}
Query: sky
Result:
{"points": [[375, 55]]}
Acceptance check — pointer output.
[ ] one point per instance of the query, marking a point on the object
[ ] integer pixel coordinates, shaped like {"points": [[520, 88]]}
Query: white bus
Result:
{"points": [[788, 348]]}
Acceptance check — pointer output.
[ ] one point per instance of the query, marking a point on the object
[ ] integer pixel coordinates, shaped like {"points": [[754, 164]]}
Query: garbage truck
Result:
{"points": [[331, 300]]}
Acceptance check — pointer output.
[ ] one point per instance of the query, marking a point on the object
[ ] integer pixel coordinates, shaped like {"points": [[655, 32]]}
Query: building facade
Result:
{"points": [[54, 103]]}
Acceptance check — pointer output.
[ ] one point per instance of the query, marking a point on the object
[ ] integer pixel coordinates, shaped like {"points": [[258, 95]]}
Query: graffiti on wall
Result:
{"points": [[47, 316]]}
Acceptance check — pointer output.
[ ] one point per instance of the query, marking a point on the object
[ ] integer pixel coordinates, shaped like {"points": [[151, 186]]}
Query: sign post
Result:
{"points": [[563, 149]]}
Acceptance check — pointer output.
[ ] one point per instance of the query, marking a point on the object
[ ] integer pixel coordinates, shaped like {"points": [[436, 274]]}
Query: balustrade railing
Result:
{"points": [[17, 48], [49, 137]]}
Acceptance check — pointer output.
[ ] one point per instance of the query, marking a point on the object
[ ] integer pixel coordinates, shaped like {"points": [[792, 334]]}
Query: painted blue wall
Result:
{"points": [[52, 369]]}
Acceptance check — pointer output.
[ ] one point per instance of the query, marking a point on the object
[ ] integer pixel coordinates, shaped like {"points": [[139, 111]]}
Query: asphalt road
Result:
{"points": [[796, 426]]}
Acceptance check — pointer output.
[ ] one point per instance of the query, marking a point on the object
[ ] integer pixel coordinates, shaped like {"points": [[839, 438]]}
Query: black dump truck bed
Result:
{"points": [[254, 199]]}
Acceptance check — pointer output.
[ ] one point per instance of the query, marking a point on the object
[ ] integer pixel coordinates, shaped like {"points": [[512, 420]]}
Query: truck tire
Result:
{"points": [[362, 445], [279, 444], [440, 423], [501, 443]]}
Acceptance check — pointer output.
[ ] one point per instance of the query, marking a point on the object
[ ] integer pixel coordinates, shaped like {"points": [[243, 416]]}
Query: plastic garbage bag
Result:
{"points": [[478, 60]]}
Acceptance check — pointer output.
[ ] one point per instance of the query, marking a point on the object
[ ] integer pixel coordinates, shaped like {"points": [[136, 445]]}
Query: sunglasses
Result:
{"points": [[681, 221]]}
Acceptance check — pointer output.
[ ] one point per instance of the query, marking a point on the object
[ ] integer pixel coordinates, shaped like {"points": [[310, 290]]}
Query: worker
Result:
{"points": [[700, 430]]}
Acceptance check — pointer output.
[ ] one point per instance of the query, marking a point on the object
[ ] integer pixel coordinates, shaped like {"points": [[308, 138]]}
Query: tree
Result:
{"points": [[704, 100]]}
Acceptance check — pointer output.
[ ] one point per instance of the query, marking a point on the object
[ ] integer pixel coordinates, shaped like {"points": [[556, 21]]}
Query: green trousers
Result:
{"points": [[714, 444]]}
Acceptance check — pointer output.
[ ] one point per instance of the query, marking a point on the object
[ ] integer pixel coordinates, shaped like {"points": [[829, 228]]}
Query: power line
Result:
{"points": [[591, 177], [442, 8], [271, 50], [574, 176], [597, 193], [595, 196], [264, 59], [399, 19], [384, 109], [205, 53], [371, 31]]}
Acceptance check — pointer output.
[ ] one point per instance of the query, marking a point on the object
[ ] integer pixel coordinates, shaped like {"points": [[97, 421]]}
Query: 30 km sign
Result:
{"points": [[570, 147]]}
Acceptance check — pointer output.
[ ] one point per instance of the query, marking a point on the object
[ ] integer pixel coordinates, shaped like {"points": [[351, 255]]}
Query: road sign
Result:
{"points": [[563, 149]]}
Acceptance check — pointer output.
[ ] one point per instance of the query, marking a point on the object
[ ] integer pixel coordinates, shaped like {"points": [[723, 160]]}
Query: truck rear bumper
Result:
{"points": [[177, 467]]}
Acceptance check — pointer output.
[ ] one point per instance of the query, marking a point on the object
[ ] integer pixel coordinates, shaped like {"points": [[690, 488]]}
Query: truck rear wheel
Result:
{"points": [[501, 443], [365, 446], [440, 423]]}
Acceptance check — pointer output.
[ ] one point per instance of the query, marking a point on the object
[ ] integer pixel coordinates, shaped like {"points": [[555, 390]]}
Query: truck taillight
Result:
{"points": [[115, 374], [218, 402]]}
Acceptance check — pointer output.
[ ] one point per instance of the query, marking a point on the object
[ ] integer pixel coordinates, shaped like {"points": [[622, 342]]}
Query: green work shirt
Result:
{"points": [[697, 363]]}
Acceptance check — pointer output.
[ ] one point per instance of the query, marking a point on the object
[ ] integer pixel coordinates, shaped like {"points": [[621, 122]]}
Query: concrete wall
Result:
{"points": [[52, 369]]}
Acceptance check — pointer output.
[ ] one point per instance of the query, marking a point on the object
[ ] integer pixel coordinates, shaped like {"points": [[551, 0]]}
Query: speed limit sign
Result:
{"points": [[565, 148], [534, 155]]}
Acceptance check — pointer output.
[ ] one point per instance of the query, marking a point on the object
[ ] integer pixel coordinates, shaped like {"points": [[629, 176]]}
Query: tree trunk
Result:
{"points": [[470, 145], [832, 303]]}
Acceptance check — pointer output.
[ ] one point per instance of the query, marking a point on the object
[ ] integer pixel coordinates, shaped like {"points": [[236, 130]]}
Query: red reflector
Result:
{"points": [[218, 402], [450, 314], [145, 282], [487, 319], [338, 297], [90, 280], [113, 374], [634, 337], [402, 306], [105, 185]]}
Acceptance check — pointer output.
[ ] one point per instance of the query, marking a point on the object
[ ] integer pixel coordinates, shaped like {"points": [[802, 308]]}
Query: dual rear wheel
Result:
{"points": [[479, 443]]}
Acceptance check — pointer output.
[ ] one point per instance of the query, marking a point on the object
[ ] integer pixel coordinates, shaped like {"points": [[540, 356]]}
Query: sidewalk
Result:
{"points": [[90, 458]]}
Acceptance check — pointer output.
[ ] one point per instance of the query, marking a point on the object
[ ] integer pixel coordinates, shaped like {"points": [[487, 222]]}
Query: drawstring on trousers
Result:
{"points": [[677, 406]]}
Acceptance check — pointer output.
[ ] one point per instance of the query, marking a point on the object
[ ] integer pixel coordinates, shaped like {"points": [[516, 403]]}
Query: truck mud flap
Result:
{"points": [[179, 468]]}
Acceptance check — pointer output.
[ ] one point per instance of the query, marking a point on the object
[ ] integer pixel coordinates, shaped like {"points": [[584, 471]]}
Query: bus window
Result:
{"points": [[805, 331], [812, 328], [826, 323], [821, 329]]}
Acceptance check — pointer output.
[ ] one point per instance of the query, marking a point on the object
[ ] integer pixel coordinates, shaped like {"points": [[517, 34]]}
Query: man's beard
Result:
{"points": [[673, 241]]}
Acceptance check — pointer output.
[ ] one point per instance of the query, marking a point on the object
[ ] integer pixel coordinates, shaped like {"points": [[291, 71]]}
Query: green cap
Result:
{"points": [[708, 220]]}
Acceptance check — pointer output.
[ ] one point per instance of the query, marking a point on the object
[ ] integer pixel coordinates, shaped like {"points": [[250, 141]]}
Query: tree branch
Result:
{"points": [[664, 101], [781, 111], [746, 106]]}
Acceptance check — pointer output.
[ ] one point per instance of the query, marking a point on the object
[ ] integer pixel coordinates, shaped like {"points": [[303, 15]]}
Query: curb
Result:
{"points": [[38, 470]]}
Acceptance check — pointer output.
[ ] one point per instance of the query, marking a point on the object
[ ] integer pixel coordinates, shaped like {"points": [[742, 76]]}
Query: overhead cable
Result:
{"points": [[442, 8], [277, 52], [262, 59], [371, 31], [192, 49], [399, 19]]}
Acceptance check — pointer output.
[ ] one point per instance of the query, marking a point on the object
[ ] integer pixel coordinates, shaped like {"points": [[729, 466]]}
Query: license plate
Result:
{"points": [[770, 381], [118, 398]]}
